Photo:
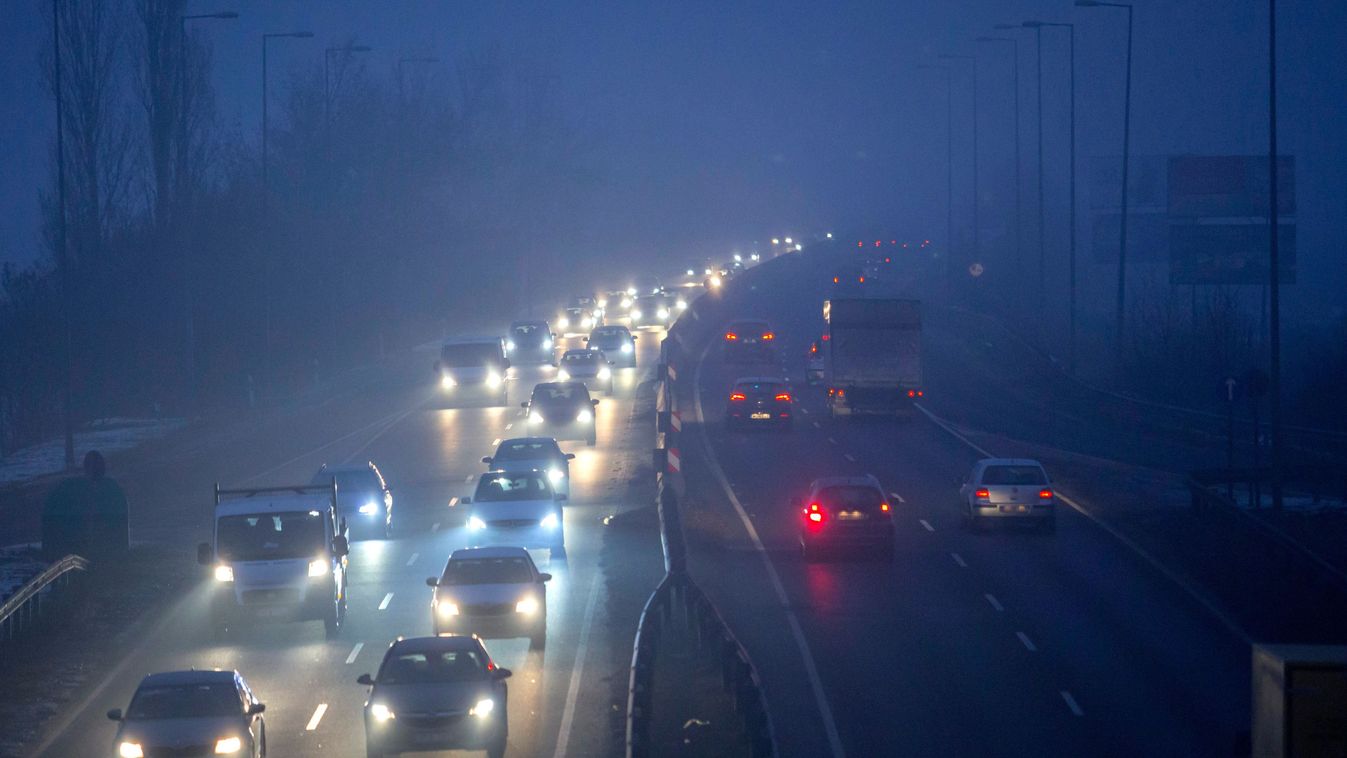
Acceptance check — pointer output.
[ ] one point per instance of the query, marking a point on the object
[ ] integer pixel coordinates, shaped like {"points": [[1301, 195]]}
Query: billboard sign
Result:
{"points": [[1229, 254], [1228, 186]]}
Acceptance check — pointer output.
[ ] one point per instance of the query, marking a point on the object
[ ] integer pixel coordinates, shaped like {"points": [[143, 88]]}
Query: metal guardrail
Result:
{"points": [[23, 609]]}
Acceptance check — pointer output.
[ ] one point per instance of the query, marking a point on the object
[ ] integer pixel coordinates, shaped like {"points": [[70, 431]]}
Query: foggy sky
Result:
{"points": [[718, 123]]}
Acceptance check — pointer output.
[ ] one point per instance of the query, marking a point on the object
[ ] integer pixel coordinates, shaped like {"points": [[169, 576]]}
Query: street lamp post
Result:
{"points": [[266, 191], [185, 199], [327, 86], [977, 233], [949, 172], [1071, 318], [1120, 316], [62, 255], [1274, 272], [1019, 236], [1042, 226]]}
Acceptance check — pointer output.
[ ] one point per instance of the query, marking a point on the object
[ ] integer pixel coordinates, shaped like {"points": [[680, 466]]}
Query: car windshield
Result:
{"points": [[432, 667], [470, 355], [185, 701], [528, 332], [519, 451], [499, 487], [270, 536], [1014, 475], [513, 570], [580, 359], [560, 395], [851, 498]]}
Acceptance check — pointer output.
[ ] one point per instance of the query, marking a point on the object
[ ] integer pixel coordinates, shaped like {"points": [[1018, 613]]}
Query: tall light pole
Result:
{"points": [[949, 173], [1019, 236], [185, 199], [327, 86], [977, 233], [62, 255], [1274, 271], [1120, 316], [266, 191], [1071, 318]]}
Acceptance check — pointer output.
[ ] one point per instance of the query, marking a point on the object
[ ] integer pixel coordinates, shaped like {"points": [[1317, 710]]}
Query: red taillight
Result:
{"points": [[783, 397], [736, 397], [888, 260], [816, 517], [919, 393], [814, 513], [834, 280], [884, 507], [825, 338], [731, 336], [862, 280], [911, 393], [768, 336], [983, 494], [1045, 494]]}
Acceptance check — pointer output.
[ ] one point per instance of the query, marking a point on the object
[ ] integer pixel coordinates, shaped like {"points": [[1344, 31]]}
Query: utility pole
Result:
{"points": [[62, 254], [949, 175], [1274, 296], [1019, 204]]}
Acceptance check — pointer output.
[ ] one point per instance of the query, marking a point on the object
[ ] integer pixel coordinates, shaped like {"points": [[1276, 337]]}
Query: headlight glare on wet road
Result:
{"points": [[476, 524]]}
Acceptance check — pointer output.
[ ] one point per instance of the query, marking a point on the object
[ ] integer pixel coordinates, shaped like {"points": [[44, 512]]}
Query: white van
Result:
{"points": [[279, 553]]}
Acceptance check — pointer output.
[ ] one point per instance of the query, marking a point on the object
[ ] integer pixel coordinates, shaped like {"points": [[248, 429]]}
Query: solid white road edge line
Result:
{"points": [[354, 652], [573, 691], [811, 669], [316, 718], [1193, 592]]}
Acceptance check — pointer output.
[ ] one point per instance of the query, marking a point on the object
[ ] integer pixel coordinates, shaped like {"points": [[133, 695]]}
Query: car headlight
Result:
{"points": [[563, 322], [550, 521], [605, 372], [224, 573], [631, 290], [547, 344], [584, 416], [130, 750], [682, 305], [555, 475], [228, 745], [319, 567], [447, 382], [535, 418], [445, 609], [635, 313], [527, 606], [509, 344], [475, 523], [370, 508], [493, 380], [662, 313], [626, 302], [483, 708], [715, 281], [586, 322], [380, 712], [563, 375], [626, 348]]}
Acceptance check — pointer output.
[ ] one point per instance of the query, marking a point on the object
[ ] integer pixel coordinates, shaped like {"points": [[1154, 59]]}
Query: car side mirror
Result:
{"points": [[256, 708], [524, 405], [465, 501], [544, 577], [340, 546], [593, 402], [115, 714], [570, 456], [365, 679], [204, 555], [560, 496], [634, 337], [486, 459], [584, 339], [432, 581], [501, 674]]}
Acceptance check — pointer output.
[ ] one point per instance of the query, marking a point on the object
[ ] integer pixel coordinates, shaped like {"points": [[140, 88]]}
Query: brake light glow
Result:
{"points": [[814, 513], [884, 507], [825, 338], [731, 336], [834, 280], [783, 397], [768, 336], [911, 393], [983, 494], [1045, 494], [862, 280], [736, 397]]}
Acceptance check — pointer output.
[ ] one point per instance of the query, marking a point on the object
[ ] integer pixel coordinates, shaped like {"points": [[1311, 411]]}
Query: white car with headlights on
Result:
{"points": [[206, 712], [364, 498], [490, 592], [436, 693], [616, 342], [528, 453], [517, 508], [589, 366], [473, 370]]}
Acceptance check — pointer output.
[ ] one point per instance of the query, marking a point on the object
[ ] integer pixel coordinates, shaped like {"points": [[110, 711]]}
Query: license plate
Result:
{"points": [[760, 415], [272, 611], [1014, 509], [850, 515]]}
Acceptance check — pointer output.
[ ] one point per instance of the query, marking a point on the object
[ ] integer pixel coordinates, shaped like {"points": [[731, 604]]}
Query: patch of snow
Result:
{"points": [[108, 435]]}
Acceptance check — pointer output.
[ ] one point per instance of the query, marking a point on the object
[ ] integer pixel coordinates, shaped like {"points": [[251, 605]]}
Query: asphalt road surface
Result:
{"points": [[1000, 643], [560, 698]]}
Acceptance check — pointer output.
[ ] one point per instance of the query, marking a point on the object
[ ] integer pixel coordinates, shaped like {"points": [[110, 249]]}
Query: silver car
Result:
{"points": [[1010, 489], [191, 713]]}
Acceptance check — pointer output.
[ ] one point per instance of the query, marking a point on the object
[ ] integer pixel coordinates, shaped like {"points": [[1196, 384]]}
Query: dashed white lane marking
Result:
{"points": [[830, 439], [354, 652], [509, 426], [995, 603], [848, 457], [435, 527], [316, 718], [897, 497], [804, 410], [572, 692], [959, 560], [926, 524], [383, 606], [468, 479], [816, 424], [495, 442], [453, 501], [1072, 704], [412, 559], [1028, 643]]}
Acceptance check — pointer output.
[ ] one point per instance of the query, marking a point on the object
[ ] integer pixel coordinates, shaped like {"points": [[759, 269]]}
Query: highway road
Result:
{"points": [[561, 699], [1000, 643]]}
